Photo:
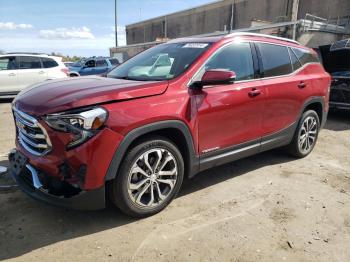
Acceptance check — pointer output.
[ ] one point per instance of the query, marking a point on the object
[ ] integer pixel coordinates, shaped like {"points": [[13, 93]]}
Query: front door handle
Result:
{"points": [[42, 72], [255, 92], [12, 74], [302, 84]]}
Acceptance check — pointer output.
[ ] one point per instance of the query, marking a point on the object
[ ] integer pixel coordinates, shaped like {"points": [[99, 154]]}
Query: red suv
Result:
{"points": [[168, 113]]}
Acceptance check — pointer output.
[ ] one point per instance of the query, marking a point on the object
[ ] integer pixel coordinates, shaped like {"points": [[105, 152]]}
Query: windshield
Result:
{"points": [[162, 62]]}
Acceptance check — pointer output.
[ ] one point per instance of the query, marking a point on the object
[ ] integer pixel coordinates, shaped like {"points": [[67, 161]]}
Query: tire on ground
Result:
{"points": [[118, 188]]}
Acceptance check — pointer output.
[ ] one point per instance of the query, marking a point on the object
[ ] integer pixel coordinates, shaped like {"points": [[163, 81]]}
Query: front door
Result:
{"points": [[231, 115], [89, 68]]}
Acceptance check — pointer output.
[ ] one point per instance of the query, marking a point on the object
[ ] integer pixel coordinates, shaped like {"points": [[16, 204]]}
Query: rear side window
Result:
{"points": [[295, 61], [29, 62], [48, 62], [114, 61], [235, 57], [275, 59], [101, 63], [305, 56], [8, 63]]}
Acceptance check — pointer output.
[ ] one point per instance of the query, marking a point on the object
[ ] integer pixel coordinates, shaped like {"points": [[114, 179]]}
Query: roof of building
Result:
{"points": [[202, 6]]}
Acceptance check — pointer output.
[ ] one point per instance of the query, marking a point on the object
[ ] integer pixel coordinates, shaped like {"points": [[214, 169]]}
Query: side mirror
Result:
{"points": [[215, 77]]}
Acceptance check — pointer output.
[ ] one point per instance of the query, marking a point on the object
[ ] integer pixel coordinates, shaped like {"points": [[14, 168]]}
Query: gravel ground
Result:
{"points": [[268, 207]]}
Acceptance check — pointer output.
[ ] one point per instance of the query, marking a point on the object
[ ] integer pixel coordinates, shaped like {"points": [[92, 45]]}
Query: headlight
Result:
{"points": [[82, 124]]}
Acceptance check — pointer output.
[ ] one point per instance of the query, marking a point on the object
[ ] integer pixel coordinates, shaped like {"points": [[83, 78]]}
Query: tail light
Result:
{"points": [[65, 70]]}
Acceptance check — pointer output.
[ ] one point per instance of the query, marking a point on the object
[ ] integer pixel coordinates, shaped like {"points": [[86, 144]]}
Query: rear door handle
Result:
{"points": [[255, 92], [302, 84], [12, 74], [42, 72]]}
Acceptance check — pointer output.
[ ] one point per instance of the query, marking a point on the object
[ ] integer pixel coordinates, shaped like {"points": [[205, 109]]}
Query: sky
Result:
{"points": [[75, 27]]}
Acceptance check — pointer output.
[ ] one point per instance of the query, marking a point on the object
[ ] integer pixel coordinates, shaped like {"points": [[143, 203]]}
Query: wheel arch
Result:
{"points": [[74, 74], [318, 105], [175, 130]]}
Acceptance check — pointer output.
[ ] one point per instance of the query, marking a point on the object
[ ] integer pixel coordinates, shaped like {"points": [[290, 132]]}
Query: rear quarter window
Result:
{"points": [[305, 56], [48, 62], [275, 59]]}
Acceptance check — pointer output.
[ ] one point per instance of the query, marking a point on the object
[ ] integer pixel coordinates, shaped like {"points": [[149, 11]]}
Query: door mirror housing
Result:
{"points": [[215, 77]]}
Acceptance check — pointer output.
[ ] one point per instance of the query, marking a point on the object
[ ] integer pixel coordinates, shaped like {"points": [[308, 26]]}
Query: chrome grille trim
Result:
{"points": [[35, 136], [31, 134], [31, 143]]}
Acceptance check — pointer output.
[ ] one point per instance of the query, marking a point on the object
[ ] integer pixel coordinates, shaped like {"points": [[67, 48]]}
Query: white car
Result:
{"points": [[19, 70]]}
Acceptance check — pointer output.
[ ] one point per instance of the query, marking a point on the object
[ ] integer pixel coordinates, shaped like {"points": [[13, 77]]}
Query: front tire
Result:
{"points": [[306, 135], [149, 178]]}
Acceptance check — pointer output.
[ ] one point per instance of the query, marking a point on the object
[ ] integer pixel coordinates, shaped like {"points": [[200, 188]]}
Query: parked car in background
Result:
{"points": [[19, 70], [134, 137], [92, 66], [336, 60]]}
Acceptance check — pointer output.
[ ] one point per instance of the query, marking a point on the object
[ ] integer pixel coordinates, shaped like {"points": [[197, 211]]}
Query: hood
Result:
{"points": [[74, 68], [61, 95]]}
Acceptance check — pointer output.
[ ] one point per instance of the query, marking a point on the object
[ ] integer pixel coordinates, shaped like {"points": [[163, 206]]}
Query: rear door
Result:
{"points": [[8, 75], [286, 84], [101, 66], [30, 71]]}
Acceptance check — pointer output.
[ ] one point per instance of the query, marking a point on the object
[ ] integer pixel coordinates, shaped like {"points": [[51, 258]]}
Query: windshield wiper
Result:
{"points": [[120, 77], [136, 79]]}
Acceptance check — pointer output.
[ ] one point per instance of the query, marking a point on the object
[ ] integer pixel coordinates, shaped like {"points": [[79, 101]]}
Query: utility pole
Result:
{"points": [[295, 10], [232, 14], [115, 23]]}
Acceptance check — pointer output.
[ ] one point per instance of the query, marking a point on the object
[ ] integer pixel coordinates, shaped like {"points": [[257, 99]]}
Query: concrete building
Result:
{"points": [[314, 16], [231, 14]]}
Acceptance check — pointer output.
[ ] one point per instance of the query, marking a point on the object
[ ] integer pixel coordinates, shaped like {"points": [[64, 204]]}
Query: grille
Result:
{"points": [[31, 135]]}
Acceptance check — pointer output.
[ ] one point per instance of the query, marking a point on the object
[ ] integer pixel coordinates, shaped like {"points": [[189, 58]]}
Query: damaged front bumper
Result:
{"points": [[33, 182]]}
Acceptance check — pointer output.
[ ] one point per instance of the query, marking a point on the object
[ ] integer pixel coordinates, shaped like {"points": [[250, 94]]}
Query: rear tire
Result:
{"points": [[306, 135], [73, 75], [149, 178]]}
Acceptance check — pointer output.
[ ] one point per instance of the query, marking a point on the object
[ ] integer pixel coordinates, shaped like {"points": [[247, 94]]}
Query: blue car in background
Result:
{"points": [[92, 66]]}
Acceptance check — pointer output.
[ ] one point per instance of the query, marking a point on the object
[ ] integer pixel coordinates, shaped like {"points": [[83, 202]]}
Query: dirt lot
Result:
{"points": [[269, 207]]}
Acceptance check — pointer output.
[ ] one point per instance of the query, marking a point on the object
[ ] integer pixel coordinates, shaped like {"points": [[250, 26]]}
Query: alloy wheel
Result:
{"points": [[152, 178], [307, 134]]}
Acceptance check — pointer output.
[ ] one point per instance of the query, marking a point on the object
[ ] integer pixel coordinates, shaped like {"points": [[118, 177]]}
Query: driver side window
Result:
{"points": [[8, 63], [236, 57], [90, 63]]}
